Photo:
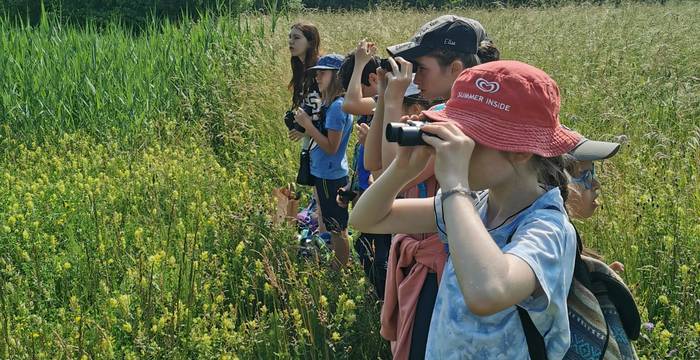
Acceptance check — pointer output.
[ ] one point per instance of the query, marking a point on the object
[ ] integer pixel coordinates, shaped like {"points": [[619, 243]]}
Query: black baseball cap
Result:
{"points": [[446, 32]]}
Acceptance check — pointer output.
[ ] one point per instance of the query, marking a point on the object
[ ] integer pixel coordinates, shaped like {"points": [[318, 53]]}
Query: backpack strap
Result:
{"points": [[535, 341]]}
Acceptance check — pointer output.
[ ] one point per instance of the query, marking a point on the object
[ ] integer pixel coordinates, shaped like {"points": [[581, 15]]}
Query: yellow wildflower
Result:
{"points": [[665, 336], [335, 336]]}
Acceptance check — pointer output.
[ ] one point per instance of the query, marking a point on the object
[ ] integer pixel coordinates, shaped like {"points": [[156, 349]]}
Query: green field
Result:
{"points": [[136, 172]]}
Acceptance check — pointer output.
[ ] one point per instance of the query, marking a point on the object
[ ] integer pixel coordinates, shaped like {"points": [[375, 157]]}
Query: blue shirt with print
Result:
{"points": [[333, 166], [545, 240]]}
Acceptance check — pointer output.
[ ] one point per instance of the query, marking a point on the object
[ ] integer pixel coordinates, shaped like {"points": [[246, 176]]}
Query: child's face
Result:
{"points": [[433, 81], [583, 191], [413, 109], [488, 168], [297, 43], [324, 78], [371, 89]]}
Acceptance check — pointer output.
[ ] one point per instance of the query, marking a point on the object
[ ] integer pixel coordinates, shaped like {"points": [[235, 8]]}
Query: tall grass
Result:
{"points": [[135, 175], [56, 79]]}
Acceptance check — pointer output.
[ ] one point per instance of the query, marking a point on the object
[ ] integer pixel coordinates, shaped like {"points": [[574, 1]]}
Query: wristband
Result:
{"points": [[458, 190]]}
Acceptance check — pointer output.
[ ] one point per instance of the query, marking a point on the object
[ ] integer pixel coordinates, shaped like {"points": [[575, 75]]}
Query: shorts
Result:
{"points": [[334, 217]]}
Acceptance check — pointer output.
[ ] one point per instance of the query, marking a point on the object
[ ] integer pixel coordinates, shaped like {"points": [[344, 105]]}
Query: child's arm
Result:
{"points": [[373, 142], [378, 212], [354, 102], [393, 109], [389, 106], [490, 280], [335, 119], [329, 144]]}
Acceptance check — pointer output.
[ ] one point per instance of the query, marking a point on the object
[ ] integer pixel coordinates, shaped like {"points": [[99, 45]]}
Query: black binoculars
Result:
{"points": [[406, 134], [386, 65]]}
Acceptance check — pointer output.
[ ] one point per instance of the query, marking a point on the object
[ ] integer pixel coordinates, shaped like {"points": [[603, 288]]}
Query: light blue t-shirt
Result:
{"points": [[546, 240], [333, 166]]}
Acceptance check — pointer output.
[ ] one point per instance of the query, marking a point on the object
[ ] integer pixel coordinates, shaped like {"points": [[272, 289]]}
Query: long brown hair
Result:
{"points": [[335, 89], [301, 83]]}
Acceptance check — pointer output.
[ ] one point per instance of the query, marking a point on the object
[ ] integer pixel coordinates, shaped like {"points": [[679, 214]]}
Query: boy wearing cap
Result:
{"points": [[358, 76], [329, 164]]}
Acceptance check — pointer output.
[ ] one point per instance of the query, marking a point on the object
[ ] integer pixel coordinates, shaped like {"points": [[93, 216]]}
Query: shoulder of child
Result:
{"points": [[336, 118], [336, 108]]}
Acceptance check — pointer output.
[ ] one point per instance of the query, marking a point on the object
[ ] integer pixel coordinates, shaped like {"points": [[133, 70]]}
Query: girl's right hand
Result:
{"points": [[399, 79]]}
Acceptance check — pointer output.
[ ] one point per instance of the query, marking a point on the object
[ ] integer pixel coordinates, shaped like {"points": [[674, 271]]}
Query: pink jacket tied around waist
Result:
{"points": [[402, 292]]}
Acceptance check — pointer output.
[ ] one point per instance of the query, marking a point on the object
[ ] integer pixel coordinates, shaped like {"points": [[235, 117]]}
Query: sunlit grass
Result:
{"points": [[135, 176]]}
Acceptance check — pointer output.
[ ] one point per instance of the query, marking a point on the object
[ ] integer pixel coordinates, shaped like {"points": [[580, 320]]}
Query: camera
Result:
{"points": [[406, 134], [347, 195], [291, 123]]}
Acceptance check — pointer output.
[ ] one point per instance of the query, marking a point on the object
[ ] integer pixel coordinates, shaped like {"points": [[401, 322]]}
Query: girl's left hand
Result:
{"points": [[303, 119], [453, 152]]}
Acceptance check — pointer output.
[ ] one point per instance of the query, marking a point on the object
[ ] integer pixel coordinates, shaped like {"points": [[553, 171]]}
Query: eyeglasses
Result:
{"points": [[586, 177]]}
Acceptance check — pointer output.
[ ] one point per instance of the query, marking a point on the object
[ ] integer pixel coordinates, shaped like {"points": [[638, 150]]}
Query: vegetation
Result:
{"points": [[136, 172]]}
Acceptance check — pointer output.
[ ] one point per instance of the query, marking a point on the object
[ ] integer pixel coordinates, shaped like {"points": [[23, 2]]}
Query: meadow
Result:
{"points": [[136, 172]]}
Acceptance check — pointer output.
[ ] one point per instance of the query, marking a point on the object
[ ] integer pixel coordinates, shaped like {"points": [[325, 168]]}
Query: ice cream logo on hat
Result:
{"points": [[487, 86]]}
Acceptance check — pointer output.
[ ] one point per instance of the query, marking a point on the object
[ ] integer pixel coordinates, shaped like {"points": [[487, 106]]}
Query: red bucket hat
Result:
{"points": [[508, 106]]}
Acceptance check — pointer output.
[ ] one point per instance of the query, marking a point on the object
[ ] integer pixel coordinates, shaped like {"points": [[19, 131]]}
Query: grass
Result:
{"points": [[135, 177]]}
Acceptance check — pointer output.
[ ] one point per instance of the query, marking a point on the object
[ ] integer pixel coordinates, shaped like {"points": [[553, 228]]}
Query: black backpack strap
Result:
{"points": [[581, 272], [535, 341]]}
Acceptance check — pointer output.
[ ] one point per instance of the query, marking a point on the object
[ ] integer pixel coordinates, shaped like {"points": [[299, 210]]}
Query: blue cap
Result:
{"points": [[328, 62]]}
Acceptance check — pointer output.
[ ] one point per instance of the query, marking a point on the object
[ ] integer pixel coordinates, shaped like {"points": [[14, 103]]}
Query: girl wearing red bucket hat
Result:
{"points": [[510, 247]]}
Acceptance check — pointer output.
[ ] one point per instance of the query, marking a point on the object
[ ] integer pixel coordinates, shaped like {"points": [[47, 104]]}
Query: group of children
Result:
{"points": [[459, 233]]}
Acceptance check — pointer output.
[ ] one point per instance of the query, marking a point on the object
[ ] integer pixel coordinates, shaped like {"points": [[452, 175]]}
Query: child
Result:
{"points": [[304, 47], [512, 246], [584, 186], [359, 76], [442, 48], [328, 161], [359, 79]]}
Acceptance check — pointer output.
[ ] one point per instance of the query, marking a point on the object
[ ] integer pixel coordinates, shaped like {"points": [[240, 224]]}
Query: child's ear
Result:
{"points": [[456, 68]]}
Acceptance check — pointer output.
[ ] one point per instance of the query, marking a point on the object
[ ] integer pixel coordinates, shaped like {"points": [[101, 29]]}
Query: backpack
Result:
{"points": [[603, 316]]}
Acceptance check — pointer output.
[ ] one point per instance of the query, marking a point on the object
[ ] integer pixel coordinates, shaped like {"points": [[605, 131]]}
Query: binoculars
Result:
{"points": [[406, 134], [386, 65]]}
